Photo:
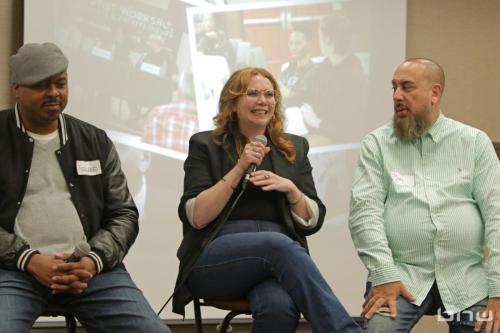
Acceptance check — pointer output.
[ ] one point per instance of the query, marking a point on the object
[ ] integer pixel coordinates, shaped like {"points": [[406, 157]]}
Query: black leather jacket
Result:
{"points": [[103, 202]]}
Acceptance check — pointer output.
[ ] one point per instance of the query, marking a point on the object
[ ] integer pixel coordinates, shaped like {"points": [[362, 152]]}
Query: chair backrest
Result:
{"points": [[497, 148]]}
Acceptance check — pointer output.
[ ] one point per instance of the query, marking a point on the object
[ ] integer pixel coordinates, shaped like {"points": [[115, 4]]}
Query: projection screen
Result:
{"points": [[148, 73]]}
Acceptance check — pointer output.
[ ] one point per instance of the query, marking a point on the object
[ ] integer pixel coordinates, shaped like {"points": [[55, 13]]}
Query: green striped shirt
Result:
{"points": [[425, 211]]}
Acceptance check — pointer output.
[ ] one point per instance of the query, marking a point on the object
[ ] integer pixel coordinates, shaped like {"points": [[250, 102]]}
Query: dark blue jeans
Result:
{"points": [[258, 261], [111, 303]]}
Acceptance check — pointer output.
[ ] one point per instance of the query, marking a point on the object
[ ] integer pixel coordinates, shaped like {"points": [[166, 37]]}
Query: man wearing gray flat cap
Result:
{"points": [[67, 218]]}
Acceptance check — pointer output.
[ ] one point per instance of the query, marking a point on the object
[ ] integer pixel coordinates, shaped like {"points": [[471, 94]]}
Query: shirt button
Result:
{"points": [[18, 203], [30, 140], [71, 185], [82, 215], [26, 171], [58, 152]]}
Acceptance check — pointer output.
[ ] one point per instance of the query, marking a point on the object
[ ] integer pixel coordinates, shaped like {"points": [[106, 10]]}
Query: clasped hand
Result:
{"points": [[254, 153], [55, 273], [270, 181]]}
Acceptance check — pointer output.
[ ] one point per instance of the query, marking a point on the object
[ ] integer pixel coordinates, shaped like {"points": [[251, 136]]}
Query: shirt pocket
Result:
{"points": [[458, 177]]}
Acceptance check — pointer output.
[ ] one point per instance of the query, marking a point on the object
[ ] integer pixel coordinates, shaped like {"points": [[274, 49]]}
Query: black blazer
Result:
{"points": [[205, 165]]}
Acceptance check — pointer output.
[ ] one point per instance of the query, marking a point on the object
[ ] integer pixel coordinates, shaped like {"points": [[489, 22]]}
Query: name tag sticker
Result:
{"points": [[88, 168], [403, 180]]}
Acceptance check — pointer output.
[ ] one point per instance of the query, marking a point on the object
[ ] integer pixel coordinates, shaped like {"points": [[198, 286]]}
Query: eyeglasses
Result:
{"points": [[269, 95]]}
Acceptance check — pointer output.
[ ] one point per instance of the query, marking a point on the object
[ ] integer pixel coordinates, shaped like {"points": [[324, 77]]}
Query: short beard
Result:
{"points": [[410, 128]]}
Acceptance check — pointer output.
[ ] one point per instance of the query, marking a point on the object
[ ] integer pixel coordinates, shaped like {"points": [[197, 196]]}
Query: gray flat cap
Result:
{"points": [[35, 62]]}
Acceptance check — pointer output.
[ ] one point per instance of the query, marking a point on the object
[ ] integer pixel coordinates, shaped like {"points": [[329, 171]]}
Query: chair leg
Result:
{"points": [[227, 319], [70, 323], [197, 316]]}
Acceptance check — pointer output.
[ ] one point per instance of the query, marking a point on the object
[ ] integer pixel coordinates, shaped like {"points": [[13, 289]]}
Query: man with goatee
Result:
{"points": [[425, 213]]}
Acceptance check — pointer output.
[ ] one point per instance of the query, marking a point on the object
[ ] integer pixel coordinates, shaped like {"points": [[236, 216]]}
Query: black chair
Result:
{"points": [[235, 308], [54, 310]]}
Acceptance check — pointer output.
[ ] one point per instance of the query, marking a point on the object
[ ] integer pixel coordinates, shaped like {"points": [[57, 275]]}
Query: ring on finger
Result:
{"points": [[267, 176]]}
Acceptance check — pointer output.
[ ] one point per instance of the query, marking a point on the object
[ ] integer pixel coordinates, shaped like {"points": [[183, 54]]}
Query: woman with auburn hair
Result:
{"points": [[245, 227]]}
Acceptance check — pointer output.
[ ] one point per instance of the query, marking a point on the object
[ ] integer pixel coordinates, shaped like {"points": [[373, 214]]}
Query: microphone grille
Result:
{"points": [[261, 138]]}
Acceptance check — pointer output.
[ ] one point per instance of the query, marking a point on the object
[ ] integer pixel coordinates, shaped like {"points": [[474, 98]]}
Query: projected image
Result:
{"points": [[315, 48], [127, 58], [322, 59], [150, 72]]}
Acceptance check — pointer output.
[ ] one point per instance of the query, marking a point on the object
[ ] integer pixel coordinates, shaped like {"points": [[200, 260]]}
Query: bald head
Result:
{"points": [[432, 71], [417, 89]]}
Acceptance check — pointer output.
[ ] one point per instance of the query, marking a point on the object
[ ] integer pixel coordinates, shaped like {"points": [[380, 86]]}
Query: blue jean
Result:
{"points": [[409, 314], [111, 303], [258, 261]]}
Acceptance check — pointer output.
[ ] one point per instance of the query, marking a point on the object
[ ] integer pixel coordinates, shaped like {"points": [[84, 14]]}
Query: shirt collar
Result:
{"points": [[63, 134], [436, 130]]}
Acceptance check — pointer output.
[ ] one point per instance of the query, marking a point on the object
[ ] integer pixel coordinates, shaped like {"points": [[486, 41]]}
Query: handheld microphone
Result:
{"points": [[253, 167], [81, 250]]}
